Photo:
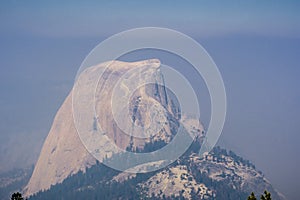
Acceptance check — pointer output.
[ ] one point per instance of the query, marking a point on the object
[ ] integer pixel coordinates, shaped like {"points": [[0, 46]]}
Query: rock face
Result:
{"points": [[110, 102], [63, 152], [234, 171], [176, 180], [204, 177]]}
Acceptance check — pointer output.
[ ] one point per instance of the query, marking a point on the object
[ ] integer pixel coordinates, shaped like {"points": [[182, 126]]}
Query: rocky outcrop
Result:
{"points": [[133, 114], [204, 177], [176, 181], [63, 152]]}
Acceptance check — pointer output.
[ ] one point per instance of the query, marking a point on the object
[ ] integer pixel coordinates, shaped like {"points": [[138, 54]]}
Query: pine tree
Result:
{"points": [[251, 197], [17, 196], [266, 196]]}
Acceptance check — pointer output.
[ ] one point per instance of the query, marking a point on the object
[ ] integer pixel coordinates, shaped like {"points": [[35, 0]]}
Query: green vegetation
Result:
{"points": [[17, 196], [97, 182], [265, 196], [252, 197], [13, 180]]}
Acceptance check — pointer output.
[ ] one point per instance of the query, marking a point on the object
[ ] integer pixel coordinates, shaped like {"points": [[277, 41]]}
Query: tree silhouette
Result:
{"points": [[266, 196], [251, 197], [17, 196]]}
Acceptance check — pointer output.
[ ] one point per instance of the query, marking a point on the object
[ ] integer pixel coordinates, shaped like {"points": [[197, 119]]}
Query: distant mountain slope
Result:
{"points": [[13, 181]]}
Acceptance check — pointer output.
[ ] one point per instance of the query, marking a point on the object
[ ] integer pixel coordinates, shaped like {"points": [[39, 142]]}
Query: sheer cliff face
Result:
{"points": [[64, 154], [131, 100], [112, 98]]}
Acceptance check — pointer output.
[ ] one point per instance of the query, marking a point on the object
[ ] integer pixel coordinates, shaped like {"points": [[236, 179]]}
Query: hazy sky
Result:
{"points": [[256, 45]]}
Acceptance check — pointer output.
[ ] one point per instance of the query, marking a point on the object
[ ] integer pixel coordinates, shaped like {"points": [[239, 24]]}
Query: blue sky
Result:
{"points": [[77, 18], [255, 44]]}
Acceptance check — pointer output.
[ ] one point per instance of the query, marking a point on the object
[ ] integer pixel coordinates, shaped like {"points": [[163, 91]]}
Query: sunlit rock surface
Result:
{"points": [[153, 114]]}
